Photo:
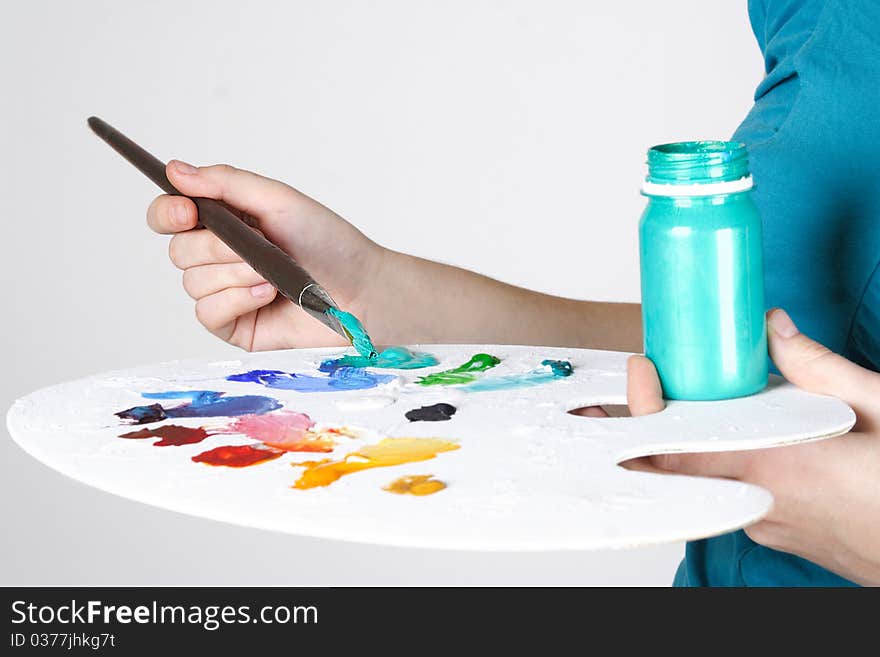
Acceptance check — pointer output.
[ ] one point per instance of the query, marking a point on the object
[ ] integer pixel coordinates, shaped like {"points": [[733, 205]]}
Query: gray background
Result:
{"points": [[518, 126]]}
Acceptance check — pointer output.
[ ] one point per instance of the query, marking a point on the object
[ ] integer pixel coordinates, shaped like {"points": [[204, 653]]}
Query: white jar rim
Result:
{"points": [[699, 189]]}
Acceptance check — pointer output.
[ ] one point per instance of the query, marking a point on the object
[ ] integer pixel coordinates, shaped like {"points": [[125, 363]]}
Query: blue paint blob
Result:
{"points": [[552, 370], [255, 376], [339, 378], [200, 403], [396, 358]]}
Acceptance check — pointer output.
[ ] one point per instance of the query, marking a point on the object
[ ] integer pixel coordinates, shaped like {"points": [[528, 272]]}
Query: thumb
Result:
{"points": [[244, 190], [644, 394], [815, 368]]}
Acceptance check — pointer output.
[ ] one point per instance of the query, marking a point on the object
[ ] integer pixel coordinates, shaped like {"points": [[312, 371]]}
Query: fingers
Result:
{"points": [[645, 396], [206, 280], [172, 214], [218, 312], [242, 189], [731, 465], [590, 411], [642, 464], [643, 391], [815, 368], [197, 248]]}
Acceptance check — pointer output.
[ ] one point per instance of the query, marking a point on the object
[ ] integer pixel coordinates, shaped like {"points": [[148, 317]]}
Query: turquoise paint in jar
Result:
{"points": [[702, 272]]}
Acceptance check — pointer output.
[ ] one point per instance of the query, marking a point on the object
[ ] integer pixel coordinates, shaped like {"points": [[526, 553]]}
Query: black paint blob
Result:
{"points": [[435, 413]]}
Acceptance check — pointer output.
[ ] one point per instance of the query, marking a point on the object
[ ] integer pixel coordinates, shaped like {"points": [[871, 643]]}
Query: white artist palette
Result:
{"points": [[527, 476]]}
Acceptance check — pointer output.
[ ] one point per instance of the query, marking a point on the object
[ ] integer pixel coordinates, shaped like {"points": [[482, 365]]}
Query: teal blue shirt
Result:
{"points": [[814, 142]]}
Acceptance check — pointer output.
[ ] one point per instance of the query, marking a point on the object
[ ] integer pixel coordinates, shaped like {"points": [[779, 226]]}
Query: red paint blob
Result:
{"points": [[237, 456], [171, 435]]}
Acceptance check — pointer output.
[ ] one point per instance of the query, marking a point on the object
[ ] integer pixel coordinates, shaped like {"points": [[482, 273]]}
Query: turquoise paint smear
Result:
{"points": [[340, 378], [358, 335], [551, 370], [396, 358]]}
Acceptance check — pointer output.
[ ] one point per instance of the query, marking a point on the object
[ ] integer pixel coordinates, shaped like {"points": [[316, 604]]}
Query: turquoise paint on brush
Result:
{"points": [[550, 371], [397, 358], [702, 272], [360, 340]]}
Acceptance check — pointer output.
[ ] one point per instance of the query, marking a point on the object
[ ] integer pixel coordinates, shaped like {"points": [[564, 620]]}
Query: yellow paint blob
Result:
{"points": [[415, 485], [387, 452]]}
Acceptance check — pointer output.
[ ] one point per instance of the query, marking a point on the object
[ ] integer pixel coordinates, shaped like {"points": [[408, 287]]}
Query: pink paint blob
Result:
{"points": [[284, 430]]}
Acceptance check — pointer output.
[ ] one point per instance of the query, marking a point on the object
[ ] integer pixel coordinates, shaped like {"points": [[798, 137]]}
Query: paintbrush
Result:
{"points": [[273, 264]]}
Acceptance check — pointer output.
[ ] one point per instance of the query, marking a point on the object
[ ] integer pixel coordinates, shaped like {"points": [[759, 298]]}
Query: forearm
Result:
{"points": [[448, 304]]}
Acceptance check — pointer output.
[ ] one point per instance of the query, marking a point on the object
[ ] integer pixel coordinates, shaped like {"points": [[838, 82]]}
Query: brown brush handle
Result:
{"points": [[268, 260]]}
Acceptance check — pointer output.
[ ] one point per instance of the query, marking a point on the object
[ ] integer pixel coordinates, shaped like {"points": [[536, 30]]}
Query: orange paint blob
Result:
{"points": [[415, 485], [338, 431], [387, 452], [237, 456], [311, 464], [310, 442], [314, 440]]}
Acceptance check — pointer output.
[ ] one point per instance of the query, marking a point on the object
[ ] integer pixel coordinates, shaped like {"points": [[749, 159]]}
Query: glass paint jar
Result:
{"points": [[702, 272]]}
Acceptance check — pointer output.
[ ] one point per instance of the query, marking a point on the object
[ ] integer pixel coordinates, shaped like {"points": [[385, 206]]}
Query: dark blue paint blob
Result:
{"points": [[201, 403], [143, 414], [339, 378]]}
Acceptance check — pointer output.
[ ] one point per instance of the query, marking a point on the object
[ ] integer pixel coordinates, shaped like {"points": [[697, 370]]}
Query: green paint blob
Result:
{"points": [[360, 340], [395, 358], [462, 373]]}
